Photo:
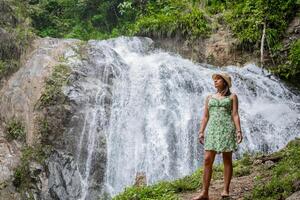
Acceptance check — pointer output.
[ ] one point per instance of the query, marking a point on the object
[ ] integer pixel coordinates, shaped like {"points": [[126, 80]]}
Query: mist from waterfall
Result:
{"points": [[145, 106]]}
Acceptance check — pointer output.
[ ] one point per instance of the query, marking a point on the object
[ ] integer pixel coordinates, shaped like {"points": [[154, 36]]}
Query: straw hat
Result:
{"points": [[224, 75]]}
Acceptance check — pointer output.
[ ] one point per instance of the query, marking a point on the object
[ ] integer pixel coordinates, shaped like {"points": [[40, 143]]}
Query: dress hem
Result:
{"points": [[218, 152]]}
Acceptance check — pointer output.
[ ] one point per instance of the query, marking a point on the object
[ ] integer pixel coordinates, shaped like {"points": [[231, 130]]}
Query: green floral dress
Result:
{"points": [[220, 135]]}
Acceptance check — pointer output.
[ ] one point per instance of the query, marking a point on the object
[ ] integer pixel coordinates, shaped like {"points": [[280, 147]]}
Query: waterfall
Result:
{"points": [[139, 110]]}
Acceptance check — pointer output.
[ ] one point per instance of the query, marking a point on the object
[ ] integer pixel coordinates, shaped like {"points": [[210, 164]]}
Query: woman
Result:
{"points": [[223, 131]]}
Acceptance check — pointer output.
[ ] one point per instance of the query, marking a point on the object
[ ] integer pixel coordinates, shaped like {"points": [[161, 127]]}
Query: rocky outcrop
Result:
{"points": [[294, 196], [64, 180], [55, 113], [23, 90], [16, 36], [220, 49], [20, 98], [9, 160]]}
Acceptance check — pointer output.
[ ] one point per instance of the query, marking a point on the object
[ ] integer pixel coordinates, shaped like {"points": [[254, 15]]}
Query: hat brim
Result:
{"points": [[215, 74]]}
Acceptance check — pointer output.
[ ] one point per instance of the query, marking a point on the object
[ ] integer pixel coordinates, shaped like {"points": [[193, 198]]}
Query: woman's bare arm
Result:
{"points": [[205, 116], [236, 117], [235, 112]]}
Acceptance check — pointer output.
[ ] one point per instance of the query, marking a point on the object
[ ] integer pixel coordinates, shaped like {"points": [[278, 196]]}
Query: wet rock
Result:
{"points": [[296, 185], [20, 95], [9, 159], [269, 164], [64, 177], [257, 162], [294, 196], [140, 179], [8, 192]]}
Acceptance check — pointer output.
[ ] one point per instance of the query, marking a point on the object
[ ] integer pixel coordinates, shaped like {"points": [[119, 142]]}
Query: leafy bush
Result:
{"points": [[216, 6], [290, 69], [73, 18], [14, 130], [22, 176], [16, 35], [246, 18], [53, 89], [8, 67], [283, 175], [173, 17], [102, 19]]}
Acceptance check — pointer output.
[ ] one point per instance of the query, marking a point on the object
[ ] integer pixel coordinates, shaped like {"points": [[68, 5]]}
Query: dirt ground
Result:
{"points": [[239, 186]]}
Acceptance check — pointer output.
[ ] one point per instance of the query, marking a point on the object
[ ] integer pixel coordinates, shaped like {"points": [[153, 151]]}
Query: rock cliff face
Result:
{"points": [[220, 49], [20, 98], [69, 118], [16, 36], [23, 90], [9, 160]]}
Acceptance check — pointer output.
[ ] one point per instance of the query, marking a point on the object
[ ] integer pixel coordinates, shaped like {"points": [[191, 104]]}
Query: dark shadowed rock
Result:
{"points": [[64, 178]]}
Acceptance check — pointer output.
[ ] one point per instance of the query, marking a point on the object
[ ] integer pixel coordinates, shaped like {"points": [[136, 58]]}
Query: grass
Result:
{"points": [[277, 182], [169, 190], [271, 183], [53, 94], [164, 190], [14, 130], [8, 67]]}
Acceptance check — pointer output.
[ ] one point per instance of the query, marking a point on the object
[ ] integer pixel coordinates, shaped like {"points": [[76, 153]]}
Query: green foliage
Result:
{"points": [[75, 18], [218, 171], [290, 69], [216, 6], [160, 191], [99, 19], [168, 189], [163, 190], [280, 186], [14, 130], [52, 94], [240, 168], [44, 127], [284, 174], [173, 17], [246, 18], [8, 67], [22, 176], [16, 36]]}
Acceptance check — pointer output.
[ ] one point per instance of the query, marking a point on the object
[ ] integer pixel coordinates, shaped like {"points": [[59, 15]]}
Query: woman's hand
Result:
{"points": [[239, 137], [201, 138]]}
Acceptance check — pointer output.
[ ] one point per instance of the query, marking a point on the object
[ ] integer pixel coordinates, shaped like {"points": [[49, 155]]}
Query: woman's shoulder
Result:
{"points": [[233, 95], [209, 95]]}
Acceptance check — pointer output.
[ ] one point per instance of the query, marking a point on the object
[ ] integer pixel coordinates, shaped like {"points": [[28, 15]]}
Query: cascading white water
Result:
{"points": [[156, 107]]}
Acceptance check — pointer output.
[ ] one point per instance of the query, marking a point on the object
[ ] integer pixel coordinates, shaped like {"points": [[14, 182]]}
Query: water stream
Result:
{"points": [[144, 105]]}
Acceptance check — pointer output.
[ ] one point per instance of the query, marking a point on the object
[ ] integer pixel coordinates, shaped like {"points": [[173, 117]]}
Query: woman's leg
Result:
{"points": [[228, 170], [209, 158]]}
